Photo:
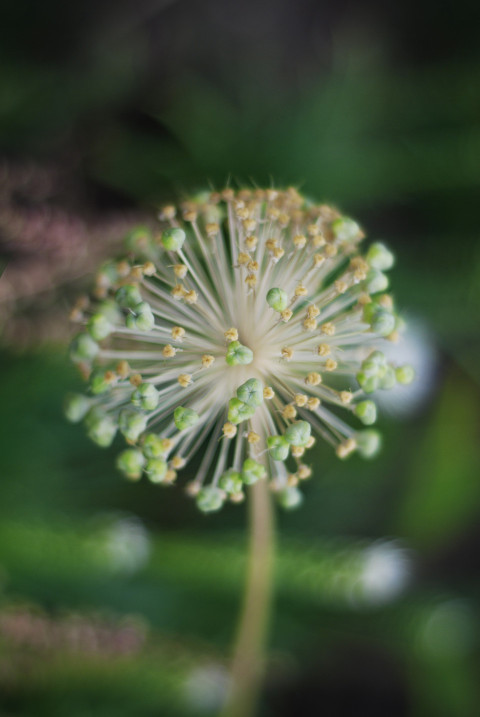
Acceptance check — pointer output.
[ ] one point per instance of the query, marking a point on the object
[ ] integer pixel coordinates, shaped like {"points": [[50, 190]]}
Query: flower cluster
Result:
{"points": [[246, 327]]}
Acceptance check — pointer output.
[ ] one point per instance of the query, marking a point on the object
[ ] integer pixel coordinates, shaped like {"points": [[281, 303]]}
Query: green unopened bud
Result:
{"points": [[237, 354], [139, 239], [345, 229], [83, 348], [128, 296], [110, 310], [185, 417], [251, 392], [99, 327], [239, 411], [366, 411], [278, 447], [389, 379], [98, 382], [368, 383], [383, 322], [290, 498], [131, 462], [145, 396], [153, 446], [379, 257], [76, 407], [231, 482], [405, 374], [210, 499], [132, 423], [101, 429], [368, 443], [156, 470], [252, 471], [172, 239], [108, 274], [141, 317], [376, 281], [277, 299], [298, 433]]}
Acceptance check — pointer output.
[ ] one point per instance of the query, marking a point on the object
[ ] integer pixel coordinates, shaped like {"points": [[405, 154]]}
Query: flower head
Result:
{"points": [[247, 327]]}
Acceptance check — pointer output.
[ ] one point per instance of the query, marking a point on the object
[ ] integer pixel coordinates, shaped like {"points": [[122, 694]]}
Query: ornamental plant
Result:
{"points": [[246, 327]]}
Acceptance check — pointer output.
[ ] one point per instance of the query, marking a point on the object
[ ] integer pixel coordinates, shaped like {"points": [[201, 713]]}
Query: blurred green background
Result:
{"points": [[119, 599]]}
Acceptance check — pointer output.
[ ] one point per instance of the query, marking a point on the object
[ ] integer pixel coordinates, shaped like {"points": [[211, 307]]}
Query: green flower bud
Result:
{"points": [[108, 274], [98, 382], [231, 482], [383, 322], [366, 411], [278, 447], [132, 423], [252, 471], [131, 462], [145, 396], [405, 374], [368, 383], [141, 317], [251, 392], [290, 498], [156, 469], [153, 446], [185, 417], [76, 407], [379, 257], [368, 443], [239, 411], [172, 239], [128, 296], [389, 379], [345, 229], [83, 348], [101, 429], [99, 327], [237, 354], [210, 499], [139, 239], [376, 282], [298, 433], [277, 299], [110, 310]]}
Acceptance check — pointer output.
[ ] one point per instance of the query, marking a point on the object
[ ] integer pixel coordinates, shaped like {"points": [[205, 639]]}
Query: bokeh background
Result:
{"points": [[119, 599]]}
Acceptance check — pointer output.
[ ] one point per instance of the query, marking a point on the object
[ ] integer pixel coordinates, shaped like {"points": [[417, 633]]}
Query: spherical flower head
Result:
{"points": [[249, 325]]}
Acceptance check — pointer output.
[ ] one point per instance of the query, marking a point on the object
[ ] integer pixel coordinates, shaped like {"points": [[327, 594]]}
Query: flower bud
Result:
{"points": [[252, 471], [99, 327], [101, 429], [379, 257], [383, 322], [83, 348], [368, 442], [139, 239], [239, 411], [298, 433], [231, 482], [366, 411], [128, 296], [185, 417], [210, 499], [153, 446], [237, 354], [141, 317], [290, 497], [405, 374], [278, 447], [376, 281], [156, 469], [131, 462], [145, 396], [277, 299], [76, 407], [389, 379], [132, 423], [345, 229], [172, 239], [98, 382], [251, 392]]}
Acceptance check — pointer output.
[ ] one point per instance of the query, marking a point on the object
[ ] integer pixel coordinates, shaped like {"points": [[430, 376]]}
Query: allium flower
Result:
{"points": [[247, 327]]}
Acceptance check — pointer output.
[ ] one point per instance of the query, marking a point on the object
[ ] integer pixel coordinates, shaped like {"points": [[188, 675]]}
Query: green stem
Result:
{"points": [[248, 661]]}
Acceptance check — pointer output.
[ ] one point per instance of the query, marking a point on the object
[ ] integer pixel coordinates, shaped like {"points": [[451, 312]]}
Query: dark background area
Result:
{"points": [[118, 599]]}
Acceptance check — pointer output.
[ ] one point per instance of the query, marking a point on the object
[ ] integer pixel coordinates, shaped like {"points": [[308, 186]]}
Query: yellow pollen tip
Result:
{"points": [[271, 244], [170, 476], [229, 430], [287, 353], [318, 260], [180, 270], [253, 266], [304, 472], [328, 328], [313, 311], [300, 399], [148, 268], [178, 462], [313, 403], [340, 286], [136, 379], [251, 280], [251, 242], [184, 380], [190, 215], [191, 297], [313, 230], [168, 351], [123, 268], [299, 240], [310, 324], [344, 449], [268, 393], [192, 489], [323, 350], [301, 290], [249, 225], [231, 335], [286, 315], [212, 229], [289, 412], [243, 258], [310, 442], [313, 379], [253, 437], [318, 241], [346, 397], [136, 273], [178, 333], [178, 292], [168, 212], [292, 480], [330, 365], [331, 251], [123, 369], [297, 451], [278, 252], [207, 360]]}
